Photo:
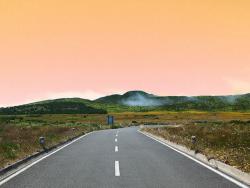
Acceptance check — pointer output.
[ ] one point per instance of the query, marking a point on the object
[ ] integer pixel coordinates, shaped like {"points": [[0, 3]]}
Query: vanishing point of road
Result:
{"points": [[117, 158]]}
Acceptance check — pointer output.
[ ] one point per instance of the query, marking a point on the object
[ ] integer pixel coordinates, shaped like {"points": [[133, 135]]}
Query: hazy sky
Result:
{"points": [[66, 48]]}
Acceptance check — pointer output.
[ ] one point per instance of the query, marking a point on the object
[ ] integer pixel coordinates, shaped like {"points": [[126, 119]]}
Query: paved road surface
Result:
{"points": [[137, 162]]}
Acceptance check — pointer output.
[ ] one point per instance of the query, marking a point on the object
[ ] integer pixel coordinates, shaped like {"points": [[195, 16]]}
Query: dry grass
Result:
{"points": [[228, 142], [17, 142], [127, 118], [152, 118], [19, 134]]}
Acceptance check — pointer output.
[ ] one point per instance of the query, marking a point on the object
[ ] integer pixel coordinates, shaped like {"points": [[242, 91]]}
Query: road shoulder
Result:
{"points": [[234, 175]]}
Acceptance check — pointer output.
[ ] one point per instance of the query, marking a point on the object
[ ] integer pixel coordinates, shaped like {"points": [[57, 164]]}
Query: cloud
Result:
{"points": [[141, 100]]}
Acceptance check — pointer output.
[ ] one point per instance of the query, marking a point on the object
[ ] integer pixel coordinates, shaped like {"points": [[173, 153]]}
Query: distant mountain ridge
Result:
{"points": [[132, 98], [141, 98], [133, 101]]}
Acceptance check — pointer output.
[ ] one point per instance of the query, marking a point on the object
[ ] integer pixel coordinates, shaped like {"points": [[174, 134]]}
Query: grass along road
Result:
{"points": [[140, 163], [228, 142], [19, 134]]}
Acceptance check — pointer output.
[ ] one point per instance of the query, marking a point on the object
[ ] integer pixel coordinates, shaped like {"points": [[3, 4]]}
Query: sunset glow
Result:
{"points": [[79, 48]]}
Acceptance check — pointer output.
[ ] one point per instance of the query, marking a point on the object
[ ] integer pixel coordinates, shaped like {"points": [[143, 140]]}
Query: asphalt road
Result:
{"points": [[94, 161]]}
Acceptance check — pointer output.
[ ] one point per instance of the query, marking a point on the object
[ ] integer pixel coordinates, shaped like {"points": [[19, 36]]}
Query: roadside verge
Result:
{"points": [[234, 175], [13, 170]]}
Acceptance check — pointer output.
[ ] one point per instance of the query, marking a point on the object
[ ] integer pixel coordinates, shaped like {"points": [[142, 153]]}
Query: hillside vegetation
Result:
{"points": [[133, 101], [60, 106], [147, 102]]}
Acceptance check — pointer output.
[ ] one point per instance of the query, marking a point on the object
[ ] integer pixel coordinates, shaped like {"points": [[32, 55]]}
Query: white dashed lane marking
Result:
{"points": [[117, 168], [116, 148]]}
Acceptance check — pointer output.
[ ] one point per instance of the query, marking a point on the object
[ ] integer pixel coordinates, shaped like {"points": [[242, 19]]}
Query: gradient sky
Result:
{"points": [[66, 48]]}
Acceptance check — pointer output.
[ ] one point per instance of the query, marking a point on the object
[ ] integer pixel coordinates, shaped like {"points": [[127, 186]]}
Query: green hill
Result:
{"points": [[133, 101], [58, 106], [177, 103]]}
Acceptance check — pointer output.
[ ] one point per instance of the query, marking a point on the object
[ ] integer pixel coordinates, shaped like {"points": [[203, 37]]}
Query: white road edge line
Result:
{"points": [[117, 168], [201, 163], [37, 161], [116, 140], [116, 148]]}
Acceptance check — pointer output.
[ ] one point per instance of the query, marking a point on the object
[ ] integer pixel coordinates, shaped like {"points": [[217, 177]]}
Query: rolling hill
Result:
{"points": [[206, 103], [133, 101], [58, 106]]}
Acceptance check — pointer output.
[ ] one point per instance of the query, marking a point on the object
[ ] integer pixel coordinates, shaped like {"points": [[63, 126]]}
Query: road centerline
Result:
{"points": [[117, 168], [116, 148]]}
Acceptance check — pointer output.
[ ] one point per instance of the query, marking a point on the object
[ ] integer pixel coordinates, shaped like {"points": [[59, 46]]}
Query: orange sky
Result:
{"points": [[63, 48]]}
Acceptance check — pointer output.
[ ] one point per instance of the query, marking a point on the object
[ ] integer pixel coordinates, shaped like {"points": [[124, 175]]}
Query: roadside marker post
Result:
{"points": [[110, 120], [42, 142]]}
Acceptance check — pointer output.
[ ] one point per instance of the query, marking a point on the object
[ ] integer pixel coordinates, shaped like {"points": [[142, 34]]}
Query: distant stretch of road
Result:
{"points": [[117, 158]]}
